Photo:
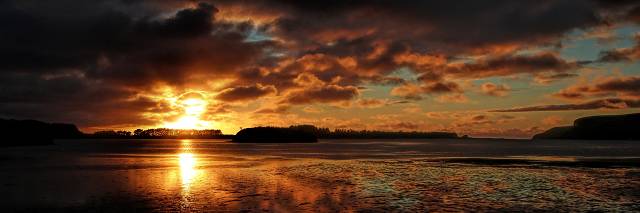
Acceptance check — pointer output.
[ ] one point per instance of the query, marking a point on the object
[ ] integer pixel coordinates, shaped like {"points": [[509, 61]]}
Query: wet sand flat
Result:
{"points": [[330, 176]]}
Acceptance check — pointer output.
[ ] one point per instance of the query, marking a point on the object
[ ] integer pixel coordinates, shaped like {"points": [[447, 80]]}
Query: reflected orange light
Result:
{"points": [[187, 163], [187, 168]]}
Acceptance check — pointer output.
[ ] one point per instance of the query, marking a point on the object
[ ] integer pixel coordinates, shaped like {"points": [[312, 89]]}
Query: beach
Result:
{"points": [[122, 175]]}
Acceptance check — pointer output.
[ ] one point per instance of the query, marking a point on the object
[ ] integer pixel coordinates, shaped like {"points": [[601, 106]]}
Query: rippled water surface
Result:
{"points": [[330, 176]]}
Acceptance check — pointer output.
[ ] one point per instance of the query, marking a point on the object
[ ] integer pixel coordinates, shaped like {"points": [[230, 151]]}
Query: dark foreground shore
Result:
{"points": [[328, 176]]}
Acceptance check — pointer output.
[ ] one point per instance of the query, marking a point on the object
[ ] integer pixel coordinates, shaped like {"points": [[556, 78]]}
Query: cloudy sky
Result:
{"points": [[497, 68]]}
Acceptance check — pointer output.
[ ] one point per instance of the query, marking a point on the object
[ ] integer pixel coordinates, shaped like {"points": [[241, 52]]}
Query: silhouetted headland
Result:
{"points": [[274, 135], [605, 127], [31, 132]]}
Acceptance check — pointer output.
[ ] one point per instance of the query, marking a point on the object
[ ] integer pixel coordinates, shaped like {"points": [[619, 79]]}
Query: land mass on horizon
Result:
{"points": [[32, 132], [274, 135], [601, 127]]}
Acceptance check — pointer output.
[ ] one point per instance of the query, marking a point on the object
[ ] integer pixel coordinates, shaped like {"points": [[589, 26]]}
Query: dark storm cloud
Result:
{"points": [[376, 35], [325, 94], [441, 87], [634, 14], [416, 91], [86, 61], [419, 22], [620, 10], [107, 43], [174, 49], [245, 93], [610, 103], [512, 64], [71, 97], [629, 85]]}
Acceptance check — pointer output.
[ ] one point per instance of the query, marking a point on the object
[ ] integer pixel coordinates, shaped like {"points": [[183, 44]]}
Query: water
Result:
{"points": [[330, 176]]}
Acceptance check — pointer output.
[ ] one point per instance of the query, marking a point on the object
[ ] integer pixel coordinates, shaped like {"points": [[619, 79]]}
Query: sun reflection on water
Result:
{"points": [[187, 168], [187, 162]]}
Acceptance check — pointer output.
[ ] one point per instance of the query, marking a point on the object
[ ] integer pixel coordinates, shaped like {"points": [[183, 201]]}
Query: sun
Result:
{"points": [[192, 106]]}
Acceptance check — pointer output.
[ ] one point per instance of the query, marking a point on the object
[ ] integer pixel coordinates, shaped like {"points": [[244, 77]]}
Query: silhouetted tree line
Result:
{"points": [[274, 132], [178, 133], [111, 134], [310, 133], [161, 133], [274, 135], [364, 134], [31, 132]]}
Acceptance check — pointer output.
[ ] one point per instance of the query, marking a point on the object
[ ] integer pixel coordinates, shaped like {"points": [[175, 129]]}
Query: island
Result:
{"points": [[603, 127], [274, 135], [310, 133]]}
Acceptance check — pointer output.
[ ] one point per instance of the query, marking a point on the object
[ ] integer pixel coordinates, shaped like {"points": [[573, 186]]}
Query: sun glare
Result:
{"points": [[192, 106], [187, 164]]}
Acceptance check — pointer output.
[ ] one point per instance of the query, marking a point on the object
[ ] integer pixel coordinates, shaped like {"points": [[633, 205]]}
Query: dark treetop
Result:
{"points": [[274, 135], [310, 133]]}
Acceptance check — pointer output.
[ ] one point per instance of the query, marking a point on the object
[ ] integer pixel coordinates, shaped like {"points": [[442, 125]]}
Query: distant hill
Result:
{"points": [[273, 135], [31, 132], [604, 127]]}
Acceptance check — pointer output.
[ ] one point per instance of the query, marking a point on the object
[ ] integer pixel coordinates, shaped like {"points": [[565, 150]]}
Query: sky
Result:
{"points": [[496, 68]]}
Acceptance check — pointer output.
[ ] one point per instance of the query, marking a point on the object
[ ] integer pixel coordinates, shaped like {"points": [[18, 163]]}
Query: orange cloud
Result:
{"points": [[623, 87], [495, 90]]}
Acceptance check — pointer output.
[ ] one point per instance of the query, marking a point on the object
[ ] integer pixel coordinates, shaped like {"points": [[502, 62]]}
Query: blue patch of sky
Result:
{"points": [[628, 32], [588, 48], [628, 40], [404, 73], [255, 36], [382, 91], [582, 49]]}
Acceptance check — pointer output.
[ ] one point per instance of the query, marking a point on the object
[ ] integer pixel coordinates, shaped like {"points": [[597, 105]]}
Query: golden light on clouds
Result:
{"points": [[191, 106], [233, 64]]}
